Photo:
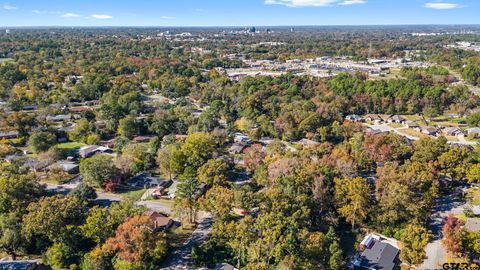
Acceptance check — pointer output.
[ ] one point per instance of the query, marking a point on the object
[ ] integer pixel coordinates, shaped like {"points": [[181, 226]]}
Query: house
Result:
{"points": [[143, 139], [59, 118], [307, 142], [90, 150], [237, 148], [432, 131], [411, 124], [473, 225], [240, 138], [396, 119], [147, 180], [376, 254], [160, 221], [453, 131], [224, 266], [79, 109], [474, 132], [108, 143], [377, 119], [353, 118], [67, 166], [375, 132], [8, 134]]}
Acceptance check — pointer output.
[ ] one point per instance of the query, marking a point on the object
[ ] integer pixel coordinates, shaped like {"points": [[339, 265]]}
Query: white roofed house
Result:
{"points": [[90, 150], [474, 132], [353, 118]]}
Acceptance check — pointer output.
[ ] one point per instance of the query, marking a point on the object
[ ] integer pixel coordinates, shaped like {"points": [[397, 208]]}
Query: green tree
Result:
{"points": [[84, 192], [414, 239], [52, 217], [198, 149], [214, 172], [41, 141], [185, 204], [97, 170], [17, 191], [473, 173], [219, 201], [353, 199], [127, 127], [11, 238]]}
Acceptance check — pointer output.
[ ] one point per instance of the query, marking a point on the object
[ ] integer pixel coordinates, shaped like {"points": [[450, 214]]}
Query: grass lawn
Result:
{"points": [[414, 133], [395, 125], [70, 145], [413, 117], [452, 138], [473, 196], [131, 193], [69, 148]]}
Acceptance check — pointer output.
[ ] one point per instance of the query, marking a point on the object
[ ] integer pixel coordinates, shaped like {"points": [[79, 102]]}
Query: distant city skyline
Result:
{"points": [[236, 12]]}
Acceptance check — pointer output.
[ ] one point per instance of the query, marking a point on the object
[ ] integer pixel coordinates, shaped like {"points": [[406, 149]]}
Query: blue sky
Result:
{"points": [[236, 12]]}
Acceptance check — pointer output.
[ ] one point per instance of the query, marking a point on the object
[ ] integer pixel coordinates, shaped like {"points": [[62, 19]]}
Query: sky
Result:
{"points": [[236, 12]]}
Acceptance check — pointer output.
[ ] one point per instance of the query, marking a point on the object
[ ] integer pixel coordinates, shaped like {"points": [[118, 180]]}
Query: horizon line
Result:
{"points": [[236, 26]]}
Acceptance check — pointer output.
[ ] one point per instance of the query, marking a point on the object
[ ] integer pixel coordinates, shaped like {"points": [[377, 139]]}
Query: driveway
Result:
{"points": [[435, 251], [181, 258]]}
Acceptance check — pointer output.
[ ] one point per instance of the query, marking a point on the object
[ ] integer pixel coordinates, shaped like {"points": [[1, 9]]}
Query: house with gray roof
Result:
{"points": [[376, 254], [475, 132], [396, 119]]}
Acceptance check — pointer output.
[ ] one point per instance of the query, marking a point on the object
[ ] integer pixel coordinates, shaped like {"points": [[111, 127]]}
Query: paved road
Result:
{"points": [[435, 251], [105, 198], [156, 206], [387, 128], [181, 258]]}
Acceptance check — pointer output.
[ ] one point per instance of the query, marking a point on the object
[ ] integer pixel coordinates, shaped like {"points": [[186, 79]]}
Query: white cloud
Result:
{"points": [[313, 3], [8, 7], [440, 5], [201, 10], [101, 16], [168, 17], [69, 15], [352, 2]]}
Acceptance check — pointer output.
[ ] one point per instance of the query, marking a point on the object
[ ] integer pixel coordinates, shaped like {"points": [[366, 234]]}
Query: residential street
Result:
{"points": [[105, 198], [387, 128], [435, 251], [181, 258]]}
